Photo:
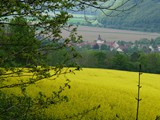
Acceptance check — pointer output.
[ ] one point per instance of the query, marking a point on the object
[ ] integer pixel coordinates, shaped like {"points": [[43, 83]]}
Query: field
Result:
{"points": [[91, 34], [80, 19], [113, 90]]}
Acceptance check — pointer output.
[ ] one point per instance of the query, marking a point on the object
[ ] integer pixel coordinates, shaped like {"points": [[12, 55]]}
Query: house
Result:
{"points": [[158, 48], [113, 45], [119, 50], [151, 48]]}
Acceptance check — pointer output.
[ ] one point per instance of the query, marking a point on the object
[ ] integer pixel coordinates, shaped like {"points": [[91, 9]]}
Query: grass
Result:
{"points": [[114, 90], [77, 21], [80, 19]]}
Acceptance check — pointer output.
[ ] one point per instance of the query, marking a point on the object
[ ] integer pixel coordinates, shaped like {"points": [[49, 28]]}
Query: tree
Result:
{"points": [[120, 62], [134, 57], [100, 58], [150, 62], [96, 46], [105, 47], [30, 29], [21, 39]]}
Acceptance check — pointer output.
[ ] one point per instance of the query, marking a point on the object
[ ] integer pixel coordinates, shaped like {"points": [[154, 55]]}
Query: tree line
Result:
{"points": [[113, 60]]}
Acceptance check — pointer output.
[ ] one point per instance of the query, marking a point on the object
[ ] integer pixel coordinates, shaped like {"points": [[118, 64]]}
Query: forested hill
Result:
{"points": [[145, 17]]}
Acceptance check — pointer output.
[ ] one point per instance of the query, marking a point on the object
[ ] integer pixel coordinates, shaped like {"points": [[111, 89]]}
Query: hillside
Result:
{"points": [[114, 90], [144, 17]]}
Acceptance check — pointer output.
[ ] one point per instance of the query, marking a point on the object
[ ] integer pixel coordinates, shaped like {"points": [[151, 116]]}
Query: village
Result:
{"points": [[143, 45]]}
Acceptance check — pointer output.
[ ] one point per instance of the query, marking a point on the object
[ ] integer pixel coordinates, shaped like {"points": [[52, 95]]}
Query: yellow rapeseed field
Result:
{"points": [[113, 90]]}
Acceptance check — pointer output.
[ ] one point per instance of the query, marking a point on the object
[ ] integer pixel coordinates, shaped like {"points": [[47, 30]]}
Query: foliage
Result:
{"points": [[20, 39], [105, 47], [22, 106], [144, 17], [120, 61], [96, 46], [157, 117], [114, 60]]}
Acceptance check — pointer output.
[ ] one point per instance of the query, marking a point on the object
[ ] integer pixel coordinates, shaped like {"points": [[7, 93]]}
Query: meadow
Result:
{"points": [[80, 19], [115, 91]]}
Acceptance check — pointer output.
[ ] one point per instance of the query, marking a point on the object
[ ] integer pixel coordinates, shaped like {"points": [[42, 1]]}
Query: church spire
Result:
{"points": [[99, 37]]}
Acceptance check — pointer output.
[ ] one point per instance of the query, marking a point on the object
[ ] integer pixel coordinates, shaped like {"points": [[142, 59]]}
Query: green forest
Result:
{"points": [[144, 17], [112, 60]]}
